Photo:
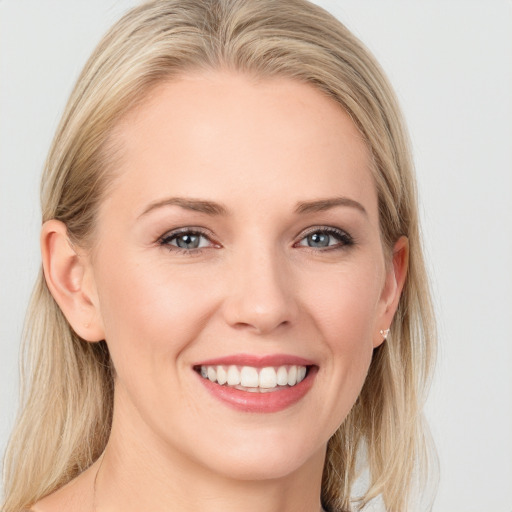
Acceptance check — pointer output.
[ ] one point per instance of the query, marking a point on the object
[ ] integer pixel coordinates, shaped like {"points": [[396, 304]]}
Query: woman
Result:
{"points": [[233, 311]]}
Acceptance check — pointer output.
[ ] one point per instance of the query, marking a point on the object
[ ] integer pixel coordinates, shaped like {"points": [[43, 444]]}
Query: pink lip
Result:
{"points": [[256, 402], [257, 361]]}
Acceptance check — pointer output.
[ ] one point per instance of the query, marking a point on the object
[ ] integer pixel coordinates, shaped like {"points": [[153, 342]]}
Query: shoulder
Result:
{"points": [[75, 496]]}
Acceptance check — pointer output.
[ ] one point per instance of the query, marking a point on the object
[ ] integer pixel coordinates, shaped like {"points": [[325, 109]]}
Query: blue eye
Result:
{"points": [[325, 238], [186, 240]]}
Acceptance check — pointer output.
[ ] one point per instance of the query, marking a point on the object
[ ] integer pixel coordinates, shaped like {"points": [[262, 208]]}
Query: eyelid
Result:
{"points": [[345, 238], [168, 236]]}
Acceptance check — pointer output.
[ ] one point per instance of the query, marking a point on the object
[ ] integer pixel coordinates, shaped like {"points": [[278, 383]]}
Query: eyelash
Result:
{"points": [[165, 241], [344, 239]]}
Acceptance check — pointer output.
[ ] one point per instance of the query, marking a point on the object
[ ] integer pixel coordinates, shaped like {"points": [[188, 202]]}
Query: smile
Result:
{"points": [[257, 384], [254, 379]]}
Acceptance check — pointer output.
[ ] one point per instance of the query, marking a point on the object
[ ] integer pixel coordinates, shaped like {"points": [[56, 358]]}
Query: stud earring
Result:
{"points": [[384, 333]]}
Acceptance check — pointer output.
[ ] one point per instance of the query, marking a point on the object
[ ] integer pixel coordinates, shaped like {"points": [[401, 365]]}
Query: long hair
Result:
{"points": [[67, 391]]}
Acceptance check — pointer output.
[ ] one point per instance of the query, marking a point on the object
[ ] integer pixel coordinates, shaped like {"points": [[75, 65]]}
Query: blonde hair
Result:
{"points": [[67, 394]]}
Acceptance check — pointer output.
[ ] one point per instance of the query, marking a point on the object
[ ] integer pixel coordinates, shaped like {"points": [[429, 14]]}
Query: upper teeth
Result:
{"points": [[251, 377]]}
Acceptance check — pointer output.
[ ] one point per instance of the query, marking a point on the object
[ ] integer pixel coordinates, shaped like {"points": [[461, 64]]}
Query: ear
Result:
{"points": [[395, 280], [70, 280]]}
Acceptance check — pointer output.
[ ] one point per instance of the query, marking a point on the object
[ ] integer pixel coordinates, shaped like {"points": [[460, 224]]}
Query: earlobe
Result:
{"points": [[69, 280], [395, 280]]}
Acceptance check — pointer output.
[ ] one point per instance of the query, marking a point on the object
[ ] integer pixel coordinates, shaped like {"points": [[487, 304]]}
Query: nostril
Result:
{"points": [[261, 325], [249, 313]]}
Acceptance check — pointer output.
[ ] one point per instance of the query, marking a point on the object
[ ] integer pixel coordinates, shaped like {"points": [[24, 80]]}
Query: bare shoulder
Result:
{"points": [[76, 496]]}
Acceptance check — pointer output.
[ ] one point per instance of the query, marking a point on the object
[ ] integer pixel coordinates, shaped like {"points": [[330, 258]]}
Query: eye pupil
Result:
{"points": [[187, 241], [318, 240]]}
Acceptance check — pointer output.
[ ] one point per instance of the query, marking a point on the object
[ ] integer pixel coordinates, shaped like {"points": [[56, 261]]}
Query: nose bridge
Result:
{"points": [[260, 293]]}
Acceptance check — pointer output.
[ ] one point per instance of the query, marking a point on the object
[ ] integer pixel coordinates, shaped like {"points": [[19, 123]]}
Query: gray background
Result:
{"points": [[451, 64]]}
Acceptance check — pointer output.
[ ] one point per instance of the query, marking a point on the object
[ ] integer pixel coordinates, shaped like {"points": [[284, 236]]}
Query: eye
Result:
{"points": [[326, 238], [186, 240]]}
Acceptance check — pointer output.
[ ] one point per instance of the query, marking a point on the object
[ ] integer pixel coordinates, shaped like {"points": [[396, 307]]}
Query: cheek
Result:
{"points": [[344, 304], [149, 313], [344, 311]]}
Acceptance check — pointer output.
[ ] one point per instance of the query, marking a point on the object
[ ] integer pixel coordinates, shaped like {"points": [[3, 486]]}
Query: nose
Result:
{"points": [[260, 296]]}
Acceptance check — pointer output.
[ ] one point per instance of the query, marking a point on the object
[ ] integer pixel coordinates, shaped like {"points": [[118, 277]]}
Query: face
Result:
{"points": [[238, 273]]}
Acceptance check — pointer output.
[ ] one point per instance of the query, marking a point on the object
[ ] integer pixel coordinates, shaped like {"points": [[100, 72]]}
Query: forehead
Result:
{"points": [[226, 136]]}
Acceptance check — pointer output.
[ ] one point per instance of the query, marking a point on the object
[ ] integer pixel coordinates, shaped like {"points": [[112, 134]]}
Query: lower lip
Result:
{"points": [[272, 401]]}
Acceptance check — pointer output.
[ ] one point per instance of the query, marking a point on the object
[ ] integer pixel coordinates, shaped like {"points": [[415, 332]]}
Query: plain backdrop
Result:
{"points": [[451, 64]]}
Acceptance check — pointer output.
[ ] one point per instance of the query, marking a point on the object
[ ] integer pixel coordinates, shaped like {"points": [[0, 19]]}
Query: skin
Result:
{"points": [[256, 286]]}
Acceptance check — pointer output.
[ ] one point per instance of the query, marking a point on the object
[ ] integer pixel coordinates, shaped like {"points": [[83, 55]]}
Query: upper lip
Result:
{"points": [[257, 361]]}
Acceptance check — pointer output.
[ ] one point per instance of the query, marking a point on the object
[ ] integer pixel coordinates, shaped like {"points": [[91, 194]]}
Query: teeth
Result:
{"points": [[249, 377], [233, 375], [255, 379], [282, 376], [222, 376], [212, 374], [292, 376], [268, 378]]}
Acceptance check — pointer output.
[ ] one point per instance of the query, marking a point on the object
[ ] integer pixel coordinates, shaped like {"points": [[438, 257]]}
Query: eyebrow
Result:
{"points": [[326, 204], [196, 205], [213, 208]]}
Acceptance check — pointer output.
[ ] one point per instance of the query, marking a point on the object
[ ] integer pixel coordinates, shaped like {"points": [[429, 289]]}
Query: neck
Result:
{"points": [[135, 475]]}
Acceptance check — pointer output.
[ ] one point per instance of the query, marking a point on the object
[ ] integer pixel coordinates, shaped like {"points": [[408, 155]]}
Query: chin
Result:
{"points": [[265, 460]]}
